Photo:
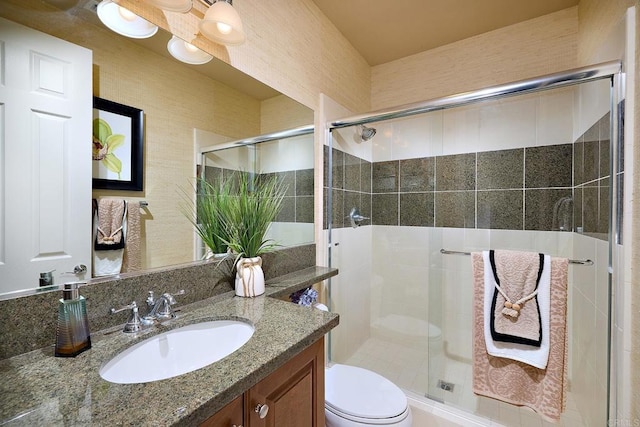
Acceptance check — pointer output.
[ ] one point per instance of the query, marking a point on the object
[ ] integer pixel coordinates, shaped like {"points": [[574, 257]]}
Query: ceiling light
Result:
{"points": [[182, 6], [186, 52], [124, 22], [222, 23]]}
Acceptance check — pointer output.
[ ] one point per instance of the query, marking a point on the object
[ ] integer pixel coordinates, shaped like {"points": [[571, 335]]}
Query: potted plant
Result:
{"points": [[208, 214], [256, 203]]}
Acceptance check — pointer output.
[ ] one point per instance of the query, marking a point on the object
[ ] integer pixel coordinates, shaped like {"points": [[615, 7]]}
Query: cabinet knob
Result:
{"points": [[235, 426], [262, 409]]}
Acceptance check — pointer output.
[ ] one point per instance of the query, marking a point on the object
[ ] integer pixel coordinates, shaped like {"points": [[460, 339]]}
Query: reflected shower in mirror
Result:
{"points": [[176, 99], [289, 156]]}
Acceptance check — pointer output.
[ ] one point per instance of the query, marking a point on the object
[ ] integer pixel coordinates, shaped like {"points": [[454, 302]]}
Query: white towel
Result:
{"points": [[534, 356], [107, 263]]}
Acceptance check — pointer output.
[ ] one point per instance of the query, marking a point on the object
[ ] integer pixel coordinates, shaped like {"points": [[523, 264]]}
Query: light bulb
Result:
{"points": [[224, 28], [126, 14]]}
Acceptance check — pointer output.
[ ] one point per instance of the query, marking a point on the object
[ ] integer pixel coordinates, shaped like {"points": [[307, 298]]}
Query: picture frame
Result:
{"points": [[117, 146]]}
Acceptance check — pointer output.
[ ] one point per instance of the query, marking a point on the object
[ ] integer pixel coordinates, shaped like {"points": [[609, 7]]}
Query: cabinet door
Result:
{"points": [[294, 394], [229, 416]]}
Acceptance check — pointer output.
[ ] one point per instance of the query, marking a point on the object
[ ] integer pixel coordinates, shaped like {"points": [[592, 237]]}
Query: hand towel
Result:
{"points": [[543, 390], [516, 276], [111, 214], [534, 356], [132, 258], [108, 262]]}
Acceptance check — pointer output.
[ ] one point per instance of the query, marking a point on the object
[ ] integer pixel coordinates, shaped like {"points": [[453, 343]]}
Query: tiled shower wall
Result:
{"points": [[559, 187]]}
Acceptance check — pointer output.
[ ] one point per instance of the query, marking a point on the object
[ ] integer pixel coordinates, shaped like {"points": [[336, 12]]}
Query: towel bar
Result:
{"points": [[571, 261]]}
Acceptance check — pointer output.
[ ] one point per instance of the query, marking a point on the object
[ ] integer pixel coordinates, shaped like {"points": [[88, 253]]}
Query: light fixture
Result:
{"points": [[186, 52], [222, 23], [182, 6], [124, 22]]}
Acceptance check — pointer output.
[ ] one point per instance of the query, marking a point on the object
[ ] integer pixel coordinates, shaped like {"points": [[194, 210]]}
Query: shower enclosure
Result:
{"points": [[531, 166]]}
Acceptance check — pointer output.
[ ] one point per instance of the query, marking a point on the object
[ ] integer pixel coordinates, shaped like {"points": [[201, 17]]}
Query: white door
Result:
{"points": [[45, 157]]}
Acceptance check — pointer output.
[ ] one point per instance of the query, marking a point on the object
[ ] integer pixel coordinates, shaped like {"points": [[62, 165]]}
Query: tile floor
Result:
{"points": [[408, 367]]}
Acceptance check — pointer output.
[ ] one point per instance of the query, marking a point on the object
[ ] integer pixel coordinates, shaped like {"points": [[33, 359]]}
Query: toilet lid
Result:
{"points": [[362, 393]]}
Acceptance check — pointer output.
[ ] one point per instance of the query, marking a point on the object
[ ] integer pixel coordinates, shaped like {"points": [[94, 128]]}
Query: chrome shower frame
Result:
{"points": [[611, 70]]}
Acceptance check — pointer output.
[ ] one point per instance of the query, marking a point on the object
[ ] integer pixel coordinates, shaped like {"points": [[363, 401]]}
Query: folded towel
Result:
{"points": [[108, 262], [534, 356], [132, 258], [543, 390], [515, 307], [109, 235]]}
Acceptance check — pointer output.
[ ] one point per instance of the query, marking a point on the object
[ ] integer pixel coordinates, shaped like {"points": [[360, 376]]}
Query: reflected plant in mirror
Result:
{"points": [[209, 213]]}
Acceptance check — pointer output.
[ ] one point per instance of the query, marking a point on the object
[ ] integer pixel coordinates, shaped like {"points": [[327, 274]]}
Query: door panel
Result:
{"points": [[45, 154]]}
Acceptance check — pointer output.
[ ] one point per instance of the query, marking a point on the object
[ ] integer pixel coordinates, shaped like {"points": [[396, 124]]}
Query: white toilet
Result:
{"points": [[357, 397]]}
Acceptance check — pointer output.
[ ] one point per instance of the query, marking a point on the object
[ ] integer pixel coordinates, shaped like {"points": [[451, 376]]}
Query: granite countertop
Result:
{"points": [[40, 389]]}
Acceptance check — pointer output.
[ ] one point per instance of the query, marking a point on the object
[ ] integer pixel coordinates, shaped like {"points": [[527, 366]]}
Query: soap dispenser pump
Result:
{"points": [[72, 332]]}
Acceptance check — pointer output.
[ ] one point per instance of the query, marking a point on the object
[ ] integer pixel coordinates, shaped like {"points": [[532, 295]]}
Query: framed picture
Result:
{"points": [[117, 146]]}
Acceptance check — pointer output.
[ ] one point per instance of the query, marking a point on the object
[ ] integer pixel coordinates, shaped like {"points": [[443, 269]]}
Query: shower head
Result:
{"points": [[366, 133]]}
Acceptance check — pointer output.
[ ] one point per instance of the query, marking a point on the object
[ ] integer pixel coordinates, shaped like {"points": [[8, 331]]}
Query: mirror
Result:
{"points": [[177, 99], [290, 159]]}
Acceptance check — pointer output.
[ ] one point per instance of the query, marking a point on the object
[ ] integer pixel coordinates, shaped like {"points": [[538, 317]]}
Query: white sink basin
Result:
{"points": [[177, 352]]}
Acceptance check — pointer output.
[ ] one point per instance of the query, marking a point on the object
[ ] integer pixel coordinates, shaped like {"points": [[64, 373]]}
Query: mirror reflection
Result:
{"points": [[178, 101], [290, 159]]}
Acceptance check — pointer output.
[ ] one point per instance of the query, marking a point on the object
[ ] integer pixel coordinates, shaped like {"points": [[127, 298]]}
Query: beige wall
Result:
{"points": [[281, 112], [599, 20], [528, 49], [291, 46]]}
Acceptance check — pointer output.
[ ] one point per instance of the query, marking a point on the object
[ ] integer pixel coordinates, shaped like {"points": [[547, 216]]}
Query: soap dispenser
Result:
{"points": [[72, 332]]}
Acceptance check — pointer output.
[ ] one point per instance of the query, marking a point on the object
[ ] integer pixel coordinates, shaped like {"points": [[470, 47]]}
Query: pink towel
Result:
{"points": [[132, 258], [543, 390]]}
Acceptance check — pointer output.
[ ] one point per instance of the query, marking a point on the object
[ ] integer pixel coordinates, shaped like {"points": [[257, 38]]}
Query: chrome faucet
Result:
{"points": [[135, 323], [161, 307]]}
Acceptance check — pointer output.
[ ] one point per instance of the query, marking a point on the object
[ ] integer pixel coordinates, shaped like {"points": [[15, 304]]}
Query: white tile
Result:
{"points": [[554, 124], [513, 240], [529, 418], [554, 243], [583, 278], [461, 129], [508, 415], [591, 102], [507, 123], [414, 137]]}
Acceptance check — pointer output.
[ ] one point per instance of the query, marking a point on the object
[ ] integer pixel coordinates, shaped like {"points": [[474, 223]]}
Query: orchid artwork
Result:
{"points": [[117, 146], [105, 142]]}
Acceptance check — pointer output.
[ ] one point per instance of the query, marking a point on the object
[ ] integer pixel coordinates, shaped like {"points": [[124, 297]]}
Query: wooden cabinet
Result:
{"points": [[229, 416], [292, 396]]}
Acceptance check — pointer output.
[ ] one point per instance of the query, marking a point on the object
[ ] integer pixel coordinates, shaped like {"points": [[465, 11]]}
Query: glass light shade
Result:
{"points": [[124, 22], [222, 24], [186, 52], [182, 6]]}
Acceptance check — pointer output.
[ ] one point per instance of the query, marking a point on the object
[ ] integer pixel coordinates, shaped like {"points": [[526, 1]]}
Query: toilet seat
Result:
{"points": [[363, 396]]}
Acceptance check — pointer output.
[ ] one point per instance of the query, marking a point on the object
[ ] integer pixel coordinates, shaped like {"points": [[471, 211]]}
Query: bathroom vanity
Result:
{"points": [[282, 366], [292, 396]]}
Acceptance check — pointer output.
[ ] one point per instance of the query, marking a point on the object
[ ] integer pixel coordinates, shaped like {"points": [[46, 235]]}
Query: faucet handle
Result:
{"points": [[170, 297], [135, 323]]}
